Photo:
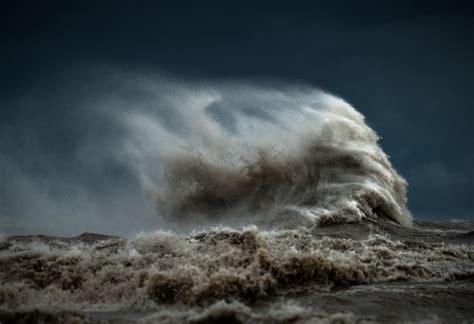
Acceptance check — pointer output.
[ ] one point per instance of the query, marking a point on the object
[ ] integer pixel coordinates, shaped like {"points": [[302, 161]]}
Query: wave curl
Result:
{"points": [[295, 156]]}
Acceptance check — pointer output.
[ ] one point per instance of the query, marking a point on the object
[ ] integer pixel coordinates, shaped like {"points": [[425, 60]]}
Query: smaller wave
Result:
{"points": [[203, 268]]}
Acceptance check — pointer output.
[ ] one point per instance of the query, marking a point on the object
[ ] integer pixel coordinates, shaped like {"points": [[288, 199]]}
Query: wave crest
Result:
{"points": [[266, 156]]}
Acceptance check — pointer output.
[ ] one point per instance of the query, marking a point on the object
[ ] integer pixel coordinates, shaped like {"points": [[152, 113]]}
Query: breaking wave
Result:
{"points": [[265, 156]]}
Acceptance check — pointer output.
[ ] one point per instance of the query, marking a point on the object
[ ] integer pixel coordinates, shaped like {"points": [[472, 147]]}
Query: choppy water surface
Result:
{"points": [[379, 272]]}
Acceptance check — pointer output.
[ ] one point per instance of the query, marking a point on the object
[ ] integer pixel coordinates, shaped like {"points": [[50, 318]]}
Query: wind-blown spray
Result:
{"points": [[264, 156]]}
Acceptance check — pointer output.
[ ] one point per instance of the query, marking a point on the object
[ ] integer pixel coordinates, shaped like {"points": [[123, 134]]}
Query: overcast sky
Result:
{"points": [[408, 66]]}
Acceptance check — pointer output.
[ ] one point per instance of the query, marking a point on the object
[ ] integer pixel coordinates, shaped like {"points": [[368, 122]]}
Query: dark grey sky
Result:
{"points": [[408, 66]]}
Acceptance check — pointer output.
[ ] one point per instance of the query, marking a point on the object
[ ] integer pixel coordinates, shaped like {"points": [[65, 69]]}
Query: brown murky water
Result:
{"points": [[351, 273]]}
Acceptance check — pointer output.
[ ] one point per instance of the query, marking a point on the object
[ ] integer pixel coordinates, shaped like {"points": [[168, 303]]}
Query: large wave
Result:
{"points": [[263, 155]]}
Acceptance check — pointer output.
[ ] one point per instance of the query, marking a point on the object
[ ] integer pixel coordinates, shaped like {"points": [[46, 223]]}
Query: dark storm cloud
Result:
{"points": [[406, 65]]}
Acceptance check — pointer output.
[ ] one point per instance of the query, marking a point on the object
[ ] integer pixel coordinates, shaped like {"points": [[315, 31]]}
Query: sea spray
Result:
{"points": [[221, 153]]}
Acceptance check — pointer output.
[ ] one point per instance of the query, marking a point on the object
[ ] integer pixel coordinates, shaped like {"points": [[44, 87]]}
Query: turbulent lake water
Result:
{"points": [[350, 273], [282, 207]]}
